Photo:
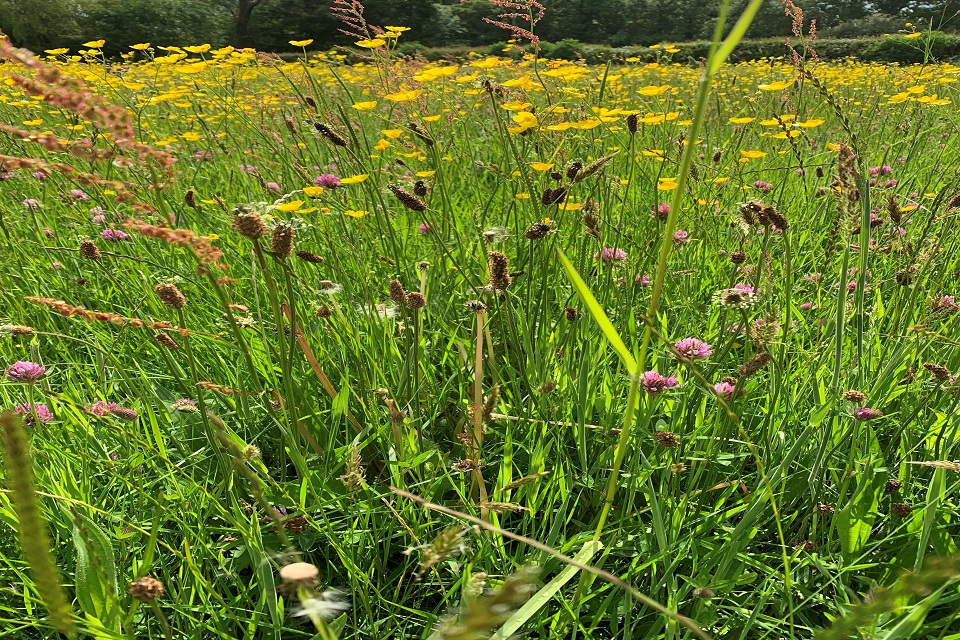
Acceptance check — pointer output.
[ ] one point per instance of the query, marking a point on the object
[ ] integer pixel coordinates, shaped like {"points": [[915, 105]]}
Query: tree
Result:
{"points": [[46, 24], [241, 22]]}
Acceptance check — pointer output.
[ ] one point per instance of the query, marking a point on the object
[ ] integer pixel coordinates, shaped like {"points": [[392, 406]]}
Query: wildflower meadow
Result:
{"points": [[354, 345]]}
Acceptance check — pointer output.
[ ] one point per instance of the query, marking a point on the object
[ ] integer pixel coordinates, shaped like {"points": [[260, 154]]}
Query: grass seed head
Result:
{"points": [[281, 241], [146, 589], [89, 250], [170, 295]]}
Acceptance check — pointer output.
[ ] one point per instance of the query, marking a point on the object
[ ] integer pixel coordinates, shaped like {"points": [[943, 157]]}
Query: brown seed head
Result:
{"points": [[901, 509], [335, 138], [499, 270], [165, 340], [281, 241], [476, 306], [859, 397], [397, 293], [574, 169], [190, 199], [556, 175], [146, 589], [825, 508], [892, 486], [88, 250], [571, 313], [633, 123], [312, 258], [537, 231], [16, 330], [248, 222], [717, 156], [938, 371], [702, 592], [738, 257], [420, 188], [423, 265], [416, 300], [170, 295], [323, 311], [666, 439], [407, 199], [754, 364]]}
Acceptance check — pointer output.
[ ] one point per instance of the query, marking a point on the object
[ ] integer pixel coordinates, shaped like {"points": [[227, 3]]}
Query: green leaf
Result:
{"points": [[855, 520], [543, 596], [96, 580], [609, 332]]}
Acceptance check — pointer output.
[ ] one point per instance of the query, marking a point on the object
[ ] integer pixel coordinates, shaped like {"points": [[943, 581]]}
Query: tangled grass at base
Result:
{"points": [[349, 279]]}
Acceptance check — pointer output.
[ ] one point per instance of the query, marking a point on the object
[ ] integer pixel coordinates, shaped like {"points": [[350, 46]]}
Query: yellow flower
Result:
{"points": [[516, 105], [780, 85], [571, 206], [488, 63], [809, 124], [381, 145], [32, 123], [293, 205], [200, 48], [56, 52], [425, 174], [371, 44], [95, 44], [523, 196], [833, 146], [313, 192], [365, 106], [431, 118], [914, 35], [355, 179], [300, 43], [541, 166], [525, 120], [652, 90], [398, 29], [393, 134], [741, 120], [404, 96], [355, 213], [192, 136], [666, 184], [753, 153], [307, 210], [195, 67]]}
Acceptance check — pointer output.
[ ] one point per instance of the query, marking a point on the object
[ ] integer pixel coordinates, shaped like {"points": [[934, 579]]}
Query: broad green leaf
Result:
{"points": [[543, 596], [96, 580], [855, 520], [609, 332]]}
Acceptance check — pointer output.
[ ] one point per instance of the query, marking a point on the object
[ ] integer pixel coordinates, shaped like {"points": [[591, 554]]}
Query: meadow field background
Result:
{"points": [[256, 312]]}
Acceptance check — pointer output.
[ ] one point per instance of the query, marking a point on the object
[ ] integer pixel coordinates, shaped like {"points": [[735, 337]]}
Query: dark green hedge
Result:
{"points": [[897, 48]]}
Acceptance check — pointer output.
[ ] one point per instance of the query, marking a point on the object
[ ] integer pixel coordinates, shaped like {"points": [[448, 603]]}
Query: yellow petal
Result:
{"points": [[355, 179]]}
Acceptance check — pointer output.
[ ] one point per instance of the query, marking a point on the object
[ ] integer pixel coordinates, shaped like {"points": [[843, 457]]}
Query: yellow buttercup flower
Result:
{"points": [[398, 29], [302, 43], [355, 213], [355, 179], [752, 154], [745, 120], [95, 44], [287, 207], [776, 86], [313, 192], [541, 166], [200, 48], [404, 96], [365, 106], [371, 44], [425, 174], [57, 52]]}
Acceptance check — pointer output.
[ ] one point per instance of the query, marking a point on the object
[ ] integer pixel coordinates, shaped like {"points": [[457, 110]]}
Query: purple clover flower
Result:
{"points": [[42, 412], [865, 414], [23, 371], [694, 349], [653, 382], [327, 181], [610, 254]]}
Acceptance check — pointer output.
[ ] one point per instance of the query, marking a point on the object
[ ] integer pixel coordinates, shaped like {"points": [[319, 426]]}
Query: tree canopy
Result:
{"points": [[270, 24]]}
